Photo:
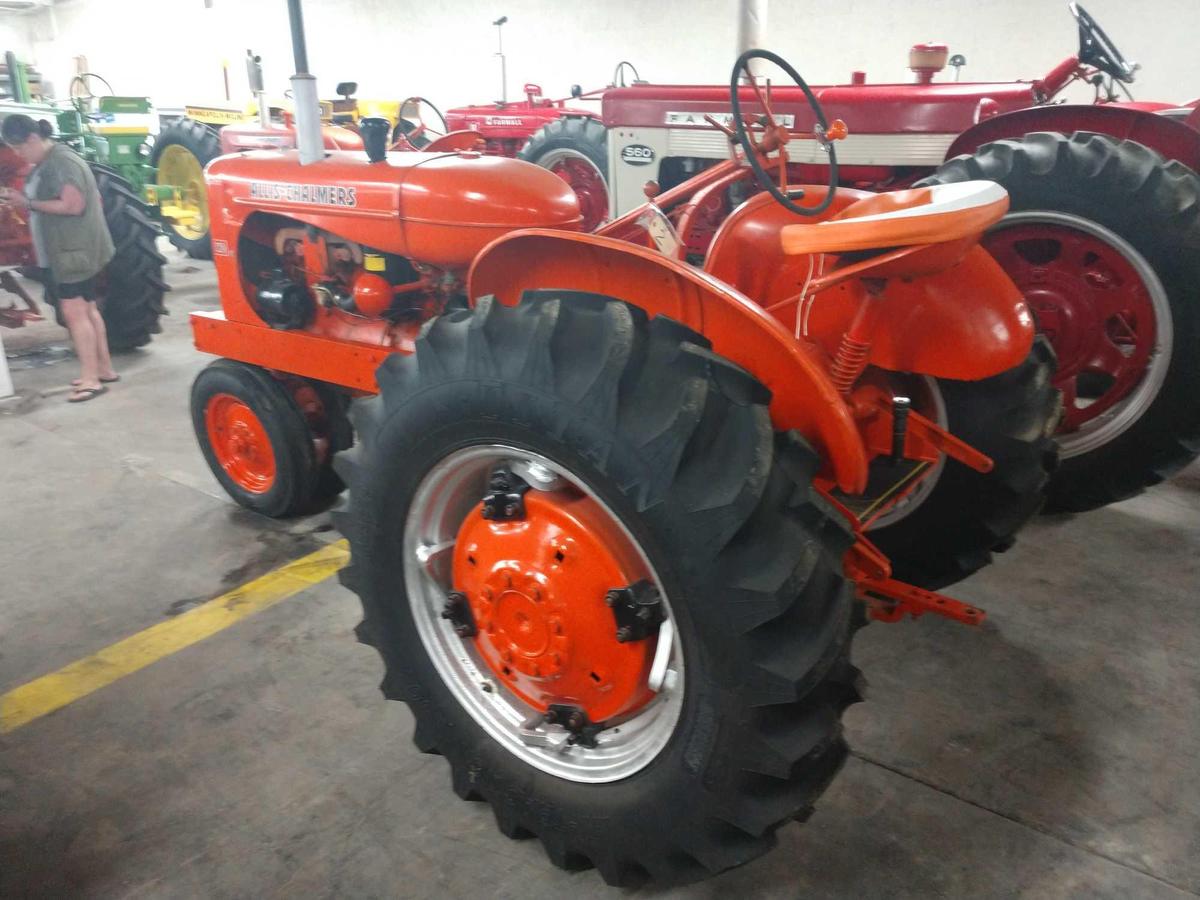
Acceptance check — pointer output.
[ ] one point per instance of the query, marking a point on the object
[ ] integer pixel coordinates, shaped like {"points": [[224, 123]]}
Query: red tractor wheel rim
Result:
{"points": [[1104, 311], [240, 443], [586, 181], [536, 586]]}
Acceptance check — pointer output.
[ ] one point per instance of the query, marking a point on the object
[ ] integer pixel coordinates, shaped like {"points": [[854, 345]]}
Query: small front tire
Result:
{"points": [[256, 439]]}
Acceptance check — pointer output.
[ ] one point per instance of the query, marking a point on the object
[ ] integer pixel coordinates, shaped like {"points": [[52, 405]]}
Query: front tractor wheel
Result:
{"points": [[604, 586], [1101, 238], [269, 442]]}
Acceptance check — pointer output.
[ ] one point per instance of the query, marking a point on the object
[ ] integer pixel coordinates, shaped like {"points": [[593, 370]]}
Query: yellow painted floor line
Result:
{"points": [[50, 692]]}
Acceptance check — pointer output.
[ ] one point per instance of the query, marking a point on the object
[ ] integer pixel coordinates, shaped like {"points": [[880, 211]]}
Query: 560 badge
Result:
{"points": [[637, 154]]}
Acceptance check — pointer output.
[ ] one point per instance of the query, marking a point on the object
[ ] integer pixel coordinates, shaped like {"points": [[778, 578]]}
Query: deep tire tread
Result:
{"points": [[1009, 417], [743, 509], [133, 297], [1154, 204]]}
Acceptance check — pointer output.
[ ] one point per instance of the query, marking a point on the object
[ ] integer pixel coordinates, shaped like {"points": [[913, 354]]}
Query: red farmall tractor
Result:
{"points": [[1102, 235], [610, 511]]}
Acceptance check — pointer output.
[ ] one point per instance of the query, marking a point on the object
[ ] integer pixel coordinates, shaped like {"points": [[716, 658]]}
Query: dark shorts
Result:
{"points": [[56, 291]]}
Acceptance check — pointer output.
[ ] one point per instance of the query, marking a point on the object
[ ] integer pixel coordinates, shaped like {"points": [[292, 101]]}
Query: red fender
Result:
{"points": [[803, 398], [967, 322], [1170, 137]]}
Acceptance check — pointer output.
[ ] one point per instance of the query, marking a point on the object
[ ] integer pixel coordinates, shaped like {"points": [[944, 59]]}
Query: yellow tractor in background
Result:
{"points": [[204, 132]]}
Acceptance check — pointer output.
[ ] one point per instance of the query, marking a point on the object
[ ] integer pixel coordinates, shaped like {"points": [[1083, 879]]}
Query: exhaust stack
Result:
{"points": [[304, 93]]}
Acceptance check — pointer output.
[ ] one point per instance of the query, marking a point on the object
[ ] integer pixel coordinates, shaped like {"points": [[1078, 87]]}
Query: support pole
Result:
{"points": [[752, 28], [499, 23], [304, 93], [6, 385]]}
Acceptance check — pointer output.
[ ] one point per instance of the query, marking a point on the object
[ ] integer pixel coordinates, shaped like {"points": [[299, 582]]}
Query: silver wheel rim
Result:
{"points": [[1116, 421], [913, 501], [446, 495]]}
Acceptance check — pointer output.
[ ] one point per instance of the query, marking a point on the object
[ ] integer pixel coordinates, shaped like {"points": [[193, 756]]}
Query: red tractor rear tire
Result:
{"points": [[675, 443], [576, 149], [1102, 236]]}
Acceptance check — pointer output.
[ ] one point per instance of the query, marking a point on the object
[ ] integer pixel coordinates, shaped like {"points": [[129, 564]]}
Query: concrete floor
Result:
{"points": [[1051, 753]]}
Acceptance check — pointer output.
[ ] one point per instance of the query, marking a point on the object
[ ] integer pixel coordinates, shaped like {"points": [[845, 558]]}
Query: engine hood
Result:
{"points": [[440, 208]]}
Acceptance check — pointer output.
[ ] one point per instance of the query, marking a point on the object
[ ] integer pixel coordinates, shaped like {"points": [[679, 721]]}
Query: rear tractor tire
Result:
{"points": [[131, 299], [957, 518], [631, 457], [181, 151], [269, 442], [575, 148], [1103, 237]]}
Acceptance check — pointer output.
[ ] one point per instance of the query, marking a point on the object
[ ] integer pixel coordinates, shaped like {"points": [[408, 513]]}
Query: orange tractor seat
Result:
{"points": [[940, 214]]}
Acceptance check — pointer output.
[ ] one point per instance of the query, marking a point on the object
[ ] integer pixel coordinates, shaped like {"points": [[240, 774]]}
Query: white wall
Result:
{"points": [[13, 36], [172, 49]]}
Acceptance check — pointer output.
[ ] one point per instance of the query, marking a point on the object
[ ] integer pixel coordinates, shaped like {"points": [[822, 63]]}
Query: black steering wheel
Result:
{"points": [[775, 136], [411, 125], [83, 93], [1096, 49]]}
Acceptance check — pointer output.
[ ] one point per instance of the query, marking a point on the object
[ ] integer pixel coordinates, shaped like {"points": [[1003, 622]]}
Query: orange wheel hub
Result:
{"points": [[537, 587], [240, 443]]}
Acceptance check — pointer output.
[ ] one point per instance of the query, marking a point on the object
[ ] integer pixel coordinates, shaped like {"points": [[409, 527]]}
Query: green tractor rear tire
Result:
{"points": [[181, 152], [131, 300]]}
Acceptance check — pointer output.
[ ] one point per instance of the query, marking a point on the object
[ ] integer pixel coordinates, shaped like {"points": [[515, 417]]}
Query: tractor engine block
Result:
{"points": [[317, 275]]}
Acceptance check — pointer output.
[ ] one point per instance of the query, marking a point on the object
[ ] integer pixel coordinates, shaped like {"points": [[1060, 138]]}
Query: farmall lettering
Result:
{"points": [[310, 194], [726, 118]]}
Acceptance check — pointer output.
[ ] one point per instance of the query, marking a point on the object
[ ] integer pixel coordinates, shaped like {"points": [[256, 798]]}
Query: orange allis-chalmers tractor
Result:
{"points": [[610, 511]]}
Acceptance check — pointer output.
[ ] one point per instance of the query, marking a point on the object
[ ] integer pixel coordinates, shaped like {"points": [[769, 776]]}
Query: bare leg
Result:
{"points": [[104, 366], [83, 336]]}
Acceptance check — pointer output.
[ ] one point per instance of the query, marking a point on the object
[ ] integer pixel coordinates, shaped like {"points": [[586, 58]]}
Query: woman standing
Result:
{"points": [[70, 239]]}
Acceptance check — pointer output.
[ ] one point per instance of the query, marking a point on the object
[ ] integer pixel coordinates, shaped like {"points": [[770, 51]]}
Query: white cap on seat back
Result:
{"points": [[946, 198], [923, 215]]}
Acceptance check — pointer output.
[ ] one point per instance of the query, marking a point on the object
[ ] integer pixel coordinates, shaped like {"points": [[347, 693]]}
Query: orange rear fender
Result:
{"points": [[803, 398], [967, 321]]}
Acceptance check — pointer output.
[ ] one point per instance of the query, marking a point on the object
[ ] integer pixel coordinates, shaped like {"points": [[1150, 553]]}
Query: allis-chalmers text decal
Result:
{"points": [[317, 194]]}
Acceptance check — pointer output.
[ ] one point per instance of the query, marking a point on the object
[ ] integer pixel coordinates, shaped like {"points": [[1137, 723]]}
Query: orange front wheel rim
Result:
{"points": [[240, 443], [536, 586]]}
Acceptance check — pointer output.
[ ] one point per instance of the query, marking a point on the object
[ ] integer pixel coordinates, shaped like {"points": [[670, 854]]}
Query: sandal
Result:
{"points": [[76, 382], [83, 395]]}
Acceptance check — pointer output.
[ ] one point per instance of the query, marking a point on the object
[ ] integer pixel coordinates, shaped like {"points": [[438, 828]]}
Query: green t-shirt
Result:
{"points": [[73, 248]]}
